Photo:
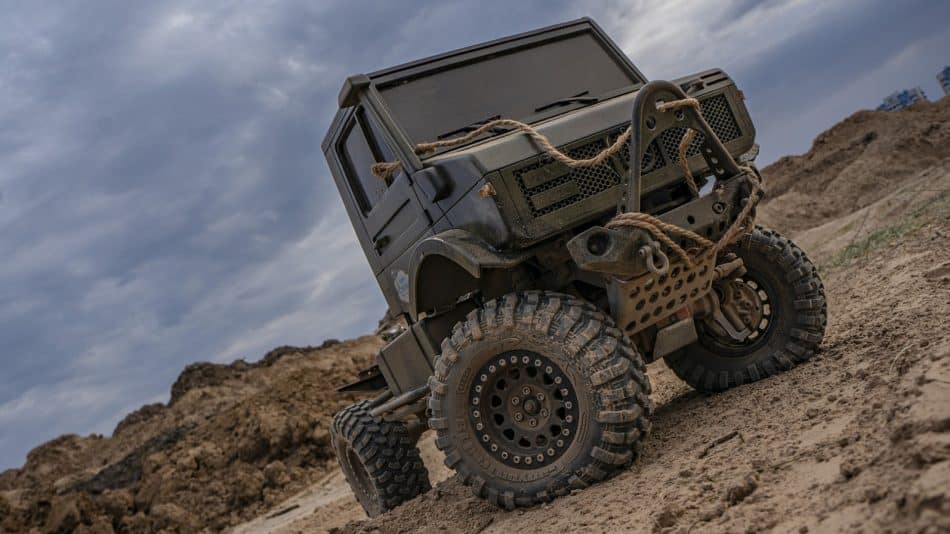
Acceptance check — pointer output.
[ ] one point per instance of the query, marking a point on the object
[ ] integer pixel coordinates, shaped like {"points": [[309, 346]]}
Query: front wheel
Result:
{"points": [[779, 304], [536, 394]]}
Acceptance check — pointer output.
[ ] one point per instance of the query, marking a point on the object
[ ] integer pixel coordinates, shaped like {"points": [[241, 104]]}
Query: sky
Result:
{"points": [[164, 200]]}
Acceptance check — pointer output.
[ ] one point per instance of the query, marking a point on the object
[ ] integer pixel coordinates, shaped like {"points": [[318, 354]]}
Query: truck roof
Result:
{"points": [[514, 77]]}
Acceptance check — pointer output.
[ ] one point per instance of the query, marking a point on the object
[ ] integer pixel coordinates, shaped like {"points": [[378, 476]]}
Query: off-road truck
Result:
{"points": [[530, 311]]}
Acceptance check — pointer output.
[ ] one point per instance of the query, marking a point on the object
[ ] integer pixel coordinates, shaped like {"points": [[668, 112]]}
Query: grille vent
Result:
{"points": [[717, 113], [574, 185], [588, 181]]}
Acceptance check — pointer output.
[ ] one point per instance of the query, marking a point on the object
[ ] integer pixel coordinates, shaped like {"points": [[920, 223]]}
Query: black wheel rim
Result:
{"points": [[761, 326], [524, 409]]}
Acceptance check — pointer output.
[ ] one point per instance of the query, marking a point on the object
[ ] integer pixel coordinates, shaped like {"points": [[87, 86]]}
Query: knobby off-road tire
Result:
{"points": [[378, 459], [796, 298], [596, 411]]}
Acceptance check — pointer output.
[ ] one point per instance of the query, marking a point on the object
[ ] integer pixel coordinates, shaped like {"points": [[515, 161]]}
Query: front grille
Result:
{"points": [[588, 181], [717, 113], [652, 160], [561, 187]]}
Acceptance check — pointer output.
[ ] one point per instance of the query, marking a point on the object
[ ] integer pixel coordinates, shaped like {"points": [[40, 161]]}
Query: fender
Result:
{"points": [[466, 256]]}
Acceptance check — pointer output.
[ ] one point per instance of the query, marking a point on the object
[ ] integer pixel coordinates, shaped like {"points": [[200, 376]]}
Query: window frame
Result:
{"points": [[360, 118]]}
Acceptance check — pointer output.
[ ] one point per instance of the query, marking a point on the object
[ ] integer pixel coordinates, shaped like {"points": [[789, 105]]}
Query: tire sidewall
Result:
{"points": [[458, 405], [799, 318], [368, 497]]}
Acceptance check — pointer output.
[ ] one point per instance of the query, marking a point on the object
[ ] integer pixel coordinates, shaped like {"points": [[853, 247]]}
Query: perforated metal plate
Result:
{"points": [[645, 300]]}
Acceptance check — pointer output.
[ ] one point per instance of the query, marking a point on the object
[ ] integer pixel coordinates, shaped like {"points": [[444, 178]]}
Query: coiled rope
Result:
{"points": [[643, 221]]}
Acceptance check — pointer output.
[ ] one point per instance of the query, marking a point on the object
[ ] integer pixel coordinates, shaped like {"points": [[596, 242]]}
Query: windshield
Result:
{"points": [[513, 84]]}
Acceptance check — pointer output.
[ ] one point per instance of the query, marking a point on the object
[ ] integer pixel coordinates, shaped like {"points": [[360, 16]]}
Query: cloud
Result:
{"points": [[164, 200], [792, 59]]}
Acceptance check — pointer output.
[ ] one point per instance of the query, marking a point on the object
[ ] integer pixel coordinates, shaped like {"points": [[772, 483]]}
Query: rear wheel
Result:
{"points": [[536, 394], [378, 459], [779, 305]]}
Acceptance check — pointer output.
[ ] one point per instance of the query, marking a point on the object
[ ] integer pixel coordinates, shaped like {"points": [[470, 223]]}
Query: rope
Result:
{"points": [[745, 221], [684, 146], [687, 139], [385, 170], [659, 230], [650, 224]]}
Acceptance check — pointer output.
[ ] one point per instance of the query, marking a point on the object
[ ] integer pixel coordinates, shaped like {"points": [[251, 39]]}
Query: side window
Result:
{"points": [[360, 147]]}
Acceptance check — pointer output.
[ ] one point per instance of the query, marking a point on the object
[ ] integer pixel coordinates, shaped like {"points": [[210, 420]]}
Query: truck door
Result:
{"points": [[391, 215]]}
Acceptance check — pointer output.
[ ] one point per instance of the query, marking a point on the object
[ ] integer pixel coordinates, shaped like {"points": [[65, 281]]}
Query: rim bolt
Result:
{"points": [[514, 359], [544, 413], [557, 380], [478, 388], [492, 368], [540, 396], [494, 447], [483, 378], [537, 363], [540, 457], [515, 401], [479, 426], [525, 360], [516, 459], [533, 422], [518, 416], [501, 363], [504, 455], [526, 390], [564, 392], [568, 405], [476, 414], [550, 452], [566, 432], [527, 460], [548, 370], [569, 419], [475, 401], [559, 443], [485, 438]]}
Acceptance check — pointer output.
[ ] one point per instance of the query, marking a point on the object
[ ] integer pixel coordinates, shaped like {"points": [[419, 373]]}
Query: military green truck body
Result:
{"points": [[533, 286], [430, 236]]}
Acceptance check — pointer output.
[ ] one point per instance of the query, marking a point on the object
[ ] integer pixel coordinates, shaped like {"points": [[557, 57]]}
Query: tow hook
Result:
{"points": [[656, 260]]}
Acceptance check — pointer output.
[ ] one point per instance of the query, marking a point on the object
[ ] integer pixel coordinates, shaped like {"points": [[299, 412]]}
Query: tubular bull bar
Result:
{"points": [[646, 284]]}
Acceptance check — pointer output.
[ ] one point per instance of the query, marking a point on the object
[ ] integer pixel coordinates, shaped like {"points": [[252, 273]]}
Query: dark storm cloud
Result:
{"points": [[163, 198]]}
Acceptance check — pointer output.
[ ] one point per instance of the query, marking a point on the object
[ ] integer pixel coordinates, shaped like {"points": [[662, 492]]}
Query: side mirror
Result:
{"points": [[352, 87]]}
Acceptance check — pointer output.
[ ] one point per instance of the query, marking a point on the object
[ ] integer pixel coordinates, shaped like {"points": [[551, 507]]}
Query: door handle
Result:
{"points": [[380, 243]]}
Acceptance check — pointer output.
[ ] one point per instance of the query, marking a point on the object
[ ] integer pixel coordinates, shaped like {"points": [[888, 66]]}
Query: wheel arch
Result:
{"points": [[451, 264]]}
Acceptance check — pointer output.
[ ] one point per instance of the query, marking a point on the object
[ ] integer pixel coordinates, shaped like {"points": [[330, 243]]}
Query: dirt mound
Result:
{"points": [[855, 163], [234, 440]]}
